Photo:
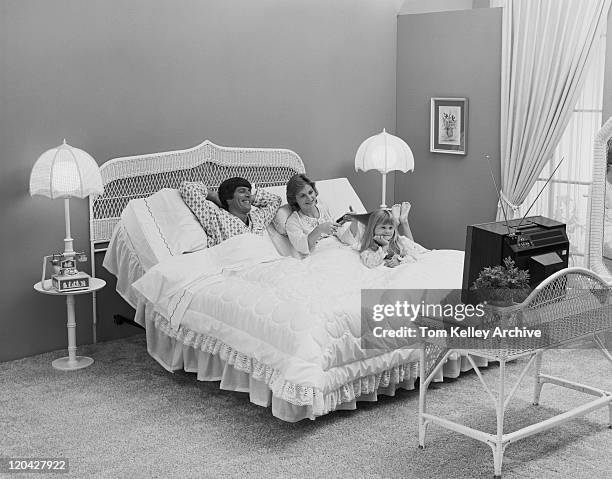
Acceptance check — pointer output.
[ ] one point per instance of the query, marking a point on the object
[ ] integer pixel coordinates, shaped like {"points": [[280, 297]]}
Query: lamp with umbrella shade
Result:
{"points": [[66, 172], [385, 153]]}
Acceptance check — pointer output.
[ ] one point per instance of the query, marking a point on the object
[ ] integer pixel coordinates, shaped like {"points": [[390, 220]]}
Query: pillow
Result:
{"points": [[338, 194], [161, 226], [279, 191], [281, 242]]}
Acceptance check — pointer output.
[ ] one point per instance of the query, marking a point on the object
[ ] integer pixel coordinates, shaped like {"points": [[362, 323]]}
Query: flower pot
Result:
{"points": [[502, 297]]}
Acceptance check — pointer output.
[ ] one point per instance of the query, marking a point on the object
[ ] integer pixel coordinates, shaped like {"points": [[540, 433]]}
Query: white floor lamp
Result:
{"points": [[385, 153], [66, 172]]}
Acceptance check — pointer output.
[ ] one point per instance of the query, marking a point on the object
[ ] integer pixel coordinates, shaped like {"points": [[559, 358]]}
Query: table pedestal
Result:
{"points": [[72, 361]]}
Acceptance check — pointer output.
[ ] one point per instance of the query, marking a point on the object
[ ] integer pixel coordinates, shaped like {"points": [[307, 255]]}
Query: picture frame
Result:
{"points": [[448, 126]]}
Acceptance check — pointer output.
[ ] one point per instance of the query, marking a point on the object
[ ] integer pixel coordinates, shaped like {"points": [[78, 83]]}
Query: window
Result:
{"points": [[565, 198]]}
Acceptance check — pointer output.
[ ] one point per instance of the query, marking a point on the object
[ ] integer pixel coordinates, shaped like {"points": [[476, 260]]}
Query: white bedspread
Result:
{"points": [[300, 317]]}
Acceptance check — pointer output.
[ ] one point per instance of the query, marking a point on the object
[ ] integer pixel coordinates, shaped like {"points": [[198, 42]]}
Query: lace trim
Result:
{"points": [[296, 394]]}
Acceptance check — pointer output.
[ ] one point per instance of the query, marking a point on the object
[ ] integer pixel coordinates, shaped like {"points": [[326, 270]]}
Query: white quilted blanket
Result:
{"points": [[301, 317]]}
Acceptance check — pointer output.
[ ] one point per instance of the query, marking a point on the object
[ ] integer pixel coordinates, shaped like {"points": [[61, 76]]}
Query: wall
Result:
{"points": [[428, 6], [449, 54], [125, 77]]}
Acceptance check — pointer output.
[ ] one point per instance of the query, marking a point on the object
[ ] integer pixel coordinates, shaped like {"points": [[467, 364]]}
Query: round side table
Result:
{"points": [[72, 361]]}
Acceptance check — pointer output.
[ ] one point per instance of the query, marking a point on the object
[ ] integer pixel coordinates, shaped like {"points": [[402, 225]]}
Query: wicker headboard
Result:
{"points": [[131, 177], [140, 176]]}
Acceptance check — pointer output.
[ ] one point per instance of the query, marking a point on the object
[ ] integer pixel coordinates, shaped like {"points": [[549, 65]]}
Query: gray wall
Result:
{"points": [[124, 77], [449, 54]]}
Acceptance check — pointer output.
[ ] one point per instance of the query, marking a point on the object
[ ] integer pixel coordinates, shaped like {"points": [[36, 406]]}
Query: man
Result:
{"points": [[228, 212]]}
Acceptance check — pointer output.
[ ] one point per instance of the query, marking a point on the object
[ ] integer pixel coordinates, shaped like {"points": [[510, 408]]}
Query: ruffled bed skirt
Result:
{"points": [[212, 360]]}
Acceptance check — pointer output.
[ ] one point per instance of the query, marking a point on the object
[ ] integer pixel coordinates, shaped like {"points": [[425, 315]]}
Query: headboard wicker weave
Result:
{"points": [[140, 176]]}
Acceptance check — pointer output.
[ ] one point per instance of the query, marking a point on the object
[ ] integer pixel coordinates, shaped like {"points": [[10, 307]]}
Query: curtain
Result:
{"points": [[565, 198], [546, 48]]}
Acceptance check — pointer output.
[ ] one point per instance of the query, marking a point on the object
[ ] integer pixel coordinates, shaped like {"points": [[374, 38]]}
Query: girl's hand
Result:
{"points": [[393, 262], [380, 241]]}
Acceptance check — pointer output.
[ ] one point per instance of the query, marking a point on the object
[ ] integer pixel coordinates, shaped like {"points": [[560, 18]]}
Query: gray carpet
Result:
{"points": [[125, 416]]}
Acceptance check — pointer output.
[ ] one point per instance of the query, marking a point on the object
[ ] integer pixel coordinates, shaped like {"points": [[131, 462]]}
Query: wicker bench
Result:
{"points": [[571, 306]]}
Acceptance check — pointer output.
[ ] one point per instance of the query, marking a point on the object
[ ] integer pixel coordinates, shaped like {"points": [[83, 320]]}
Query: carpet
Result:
{"points": [[126, 417]]}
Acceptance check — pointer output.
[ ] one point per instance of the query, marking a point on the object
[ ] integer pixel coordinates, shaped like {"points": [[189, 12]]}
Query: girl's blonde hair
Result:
{"points": [[379, 217]]}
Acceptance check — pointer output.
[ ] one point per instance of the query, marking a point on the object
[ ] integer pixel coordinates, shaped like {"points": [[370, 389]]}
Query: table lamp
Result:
{"points": [[385, 153], [66, 172]]}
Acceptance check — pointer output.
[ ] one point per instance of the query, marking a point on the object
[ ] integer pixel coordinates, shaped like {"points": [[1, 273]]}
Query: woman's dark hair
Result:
{"points": [[295, 185], [227, 188]]}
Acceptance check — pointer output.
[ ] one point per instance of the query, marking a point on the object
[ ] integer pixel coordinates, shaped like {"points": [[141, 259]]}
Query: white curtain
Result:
{"points": [[546, 48], [565, 198]]}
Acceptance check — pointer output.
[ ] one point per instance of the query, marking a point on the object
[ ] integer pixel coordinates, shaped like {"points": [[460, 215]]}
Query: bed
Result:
{"points": [[284, 330]]}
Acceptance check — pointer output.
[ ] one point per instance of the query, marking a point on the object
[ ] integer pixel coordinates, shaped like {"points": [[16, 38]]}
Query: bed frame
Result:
{"points": [[132, 177]]}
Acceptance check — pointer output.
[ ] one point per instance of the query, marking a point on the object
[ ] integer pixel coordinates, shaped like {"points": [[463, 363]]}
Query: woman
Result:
{"points": [[311, 220]]}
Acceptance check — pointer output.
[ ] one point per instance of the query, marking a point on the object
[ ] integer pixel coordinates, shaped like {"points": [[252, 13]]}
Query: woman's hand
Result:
{"points": [[328, 228], [345, 219]]}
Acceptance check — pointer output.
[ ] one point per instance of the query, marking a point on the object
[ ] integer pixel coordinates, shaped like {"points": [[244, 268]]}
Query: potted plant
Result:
{"points": [[502, 285]]}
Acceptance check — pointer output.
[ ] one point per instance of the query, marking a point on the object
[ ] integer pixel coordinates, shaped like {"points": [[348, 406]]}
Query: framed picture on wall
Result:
{"points": [[448, 131]]}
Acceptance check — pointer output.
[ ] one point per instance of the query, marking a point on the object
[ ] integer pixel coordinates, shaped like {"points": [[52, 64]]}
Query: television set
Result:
{"points": [[537, 244]]}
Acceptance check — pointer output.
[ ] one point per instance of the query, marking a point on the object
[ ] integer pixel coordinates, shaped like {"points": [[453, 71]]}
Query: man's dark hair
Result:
{"points": [[228, 187]]}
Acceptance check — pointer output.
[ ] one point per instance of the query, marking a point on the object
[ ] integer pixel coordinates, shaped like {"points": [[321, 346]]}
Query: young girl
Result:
{"points": [[381, 242]]}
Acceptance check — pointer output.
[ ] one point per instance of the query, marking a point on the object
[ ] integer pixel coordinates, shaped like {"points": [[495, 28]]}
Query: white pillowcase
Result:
{"points": [[161, 226], [279, 191], [338, 194]]}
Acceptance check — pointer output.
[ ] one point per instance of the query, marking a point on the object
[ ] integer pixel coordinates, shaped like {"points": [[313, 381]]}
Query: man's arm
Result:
{"points": [[195, 194], [267, 204]]}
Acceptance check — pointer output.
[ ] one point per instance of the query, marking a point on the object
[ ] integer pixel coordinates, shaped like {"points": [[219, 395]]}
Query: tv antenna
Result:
{"points": [[499, 198], [536, 198]]}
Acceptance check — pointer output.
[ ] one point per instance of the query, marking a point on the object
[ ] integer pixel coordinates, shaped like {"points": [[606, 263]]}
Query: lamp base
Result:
{"points": [[65, 364]]}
